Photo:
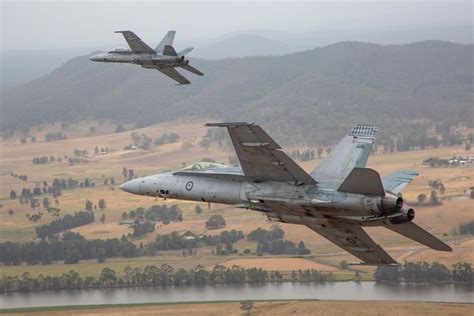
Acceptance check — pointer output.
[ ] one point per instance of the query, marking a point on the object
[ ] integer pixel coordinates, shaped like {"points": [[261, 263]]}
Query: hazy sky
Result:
{"points": [[66, 24]]}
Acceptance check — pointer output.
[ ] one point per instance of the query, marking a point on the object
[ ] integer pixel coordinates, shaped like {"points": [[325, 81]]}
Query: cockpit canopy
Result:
{"points": [[121, 50], [203, 165]]}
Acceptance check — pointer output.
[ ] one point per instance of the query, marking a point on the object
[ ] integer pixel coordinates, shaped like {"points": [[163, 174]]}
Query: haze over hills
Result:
{"points": [[243, 45], [21, 66], [299, 97]]}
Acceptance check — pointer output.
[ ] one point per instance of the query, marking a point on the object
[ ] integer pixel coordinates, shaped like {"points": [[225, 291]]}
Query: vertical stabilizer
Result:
{"points": [[166, 41], [352, 151]]}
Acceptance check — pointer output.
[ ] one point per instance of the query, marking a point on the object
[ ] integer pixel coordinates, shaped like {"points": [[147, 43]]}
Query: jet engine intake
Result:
{"points": [[406, 215]]}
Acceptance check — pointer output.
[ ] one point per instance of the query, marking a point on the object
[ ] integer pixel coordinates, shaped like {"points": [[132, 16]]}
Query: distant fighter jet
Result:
{"points": [[163, 58], [338, 199]]}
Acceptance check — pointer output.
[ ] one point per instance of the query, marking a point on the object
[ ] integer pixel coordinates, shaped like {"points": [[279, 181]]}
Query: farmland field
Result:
{"points": [[16, 159]]}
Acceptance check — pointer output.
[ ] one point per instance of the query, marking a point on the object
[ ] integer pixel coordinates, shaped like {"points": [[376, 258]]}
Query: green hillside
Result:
{"points": [[299, 97]]}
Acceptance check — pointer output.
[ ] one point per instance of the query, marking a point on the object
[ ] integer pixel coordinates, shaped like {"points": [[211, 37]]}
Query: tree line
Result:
{"points": [[70, 248], [164, 275], [73, 247], [188, 241], [424, 272], [62, 224], [165, 214], [272, 242]]}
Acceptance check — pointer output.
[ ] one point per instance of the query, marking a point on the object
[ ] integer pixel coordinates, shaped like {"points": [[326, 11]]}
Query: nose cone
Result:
{"points": [[132, 186], [97, 57]]}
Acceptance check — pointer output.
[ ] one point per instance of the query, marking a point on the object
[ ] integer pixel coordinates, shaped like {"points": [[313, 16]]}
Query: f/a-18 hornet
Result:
{"points": [[163, 58], [336, 200]]}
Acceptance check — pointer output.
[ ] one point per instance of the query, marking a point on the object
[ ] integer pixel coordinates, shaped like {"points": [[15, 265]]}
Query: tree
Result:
{"points": [[46, 203], [107, 277], [434, 198], [344, 265], [468, 146], [320, 152], [302, 249], [462, 272], [88, 206], [387, 274], [11, 212], [198, 209], [72, 256], [124, 215], [102, 219], [120, 128], [102, 204], [12, 195], [215, 221], [421, 198], [101, 255], [246, 306]]}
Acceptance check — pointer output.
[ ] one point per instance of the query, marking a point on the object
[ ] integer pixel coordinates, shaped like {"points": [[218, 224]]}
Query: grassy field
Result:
{"points": [[16, 158], [301, 307]]}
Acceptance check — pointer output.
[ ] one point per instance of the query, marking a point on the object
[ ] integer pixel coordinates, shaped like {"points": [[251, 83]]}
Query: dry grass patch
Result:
{"points": [[393, 308]]}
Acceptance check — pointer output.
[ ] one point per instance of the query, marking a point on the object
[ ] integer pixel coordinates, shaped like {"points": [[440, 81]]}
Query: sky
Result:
{"points": [[69, 24]]}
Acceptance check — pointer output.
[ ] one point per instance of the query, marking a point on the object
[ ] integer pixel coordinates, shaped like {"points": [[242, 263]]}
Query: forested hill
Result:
{"points": [[299, 97]]}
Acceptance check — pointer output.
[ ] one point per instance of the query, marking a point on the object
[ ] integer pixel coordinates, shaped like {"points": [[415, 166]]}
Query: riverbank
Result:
{"points": [[341, 291], [274, 307]]}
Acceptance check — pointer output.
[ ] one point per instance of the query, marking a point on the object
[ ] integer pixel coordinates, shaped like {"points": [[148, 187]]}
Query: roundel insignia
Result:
{"points": [[351, 241], [189, 186]]}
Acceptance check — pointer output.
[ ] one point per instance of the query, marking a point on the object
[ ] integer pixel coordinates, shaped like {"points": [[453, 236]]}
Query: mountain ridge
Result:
{"points": [[336, 85]]}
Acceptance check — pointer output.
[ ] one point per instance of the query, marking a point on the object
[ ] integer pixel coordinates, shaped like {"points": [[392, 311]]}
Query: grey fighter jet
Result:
{"points": [[336, 200], [163, 58]]}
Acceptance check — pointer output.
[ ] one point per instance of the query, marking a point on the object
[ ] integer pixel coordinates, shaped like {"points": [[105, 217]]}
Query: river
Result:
{"points": [[266, 291]]}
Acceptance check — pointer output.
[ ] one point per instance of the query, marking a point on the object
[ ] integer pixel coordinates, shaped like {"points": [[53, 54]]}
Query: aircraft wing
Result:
{"points": [[173, 74], [352, 151], [397, 181], [136, 44], [355, 241], [192, 69], [260, 156], [418, 234]]}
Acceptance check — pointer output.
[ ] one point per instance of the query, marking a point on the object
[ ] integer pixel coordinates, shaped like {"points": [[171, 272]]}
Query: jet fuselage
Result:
{"points": [[128, 57], [280, 201]]}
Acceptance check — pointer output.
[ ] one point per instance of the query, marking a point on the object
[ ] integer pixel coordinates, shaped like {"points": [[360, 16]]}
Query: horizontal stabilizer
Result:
{"points": [[192, 69], [169, 51], [363, 181], [397, 181], [415, 232], [185, 51]]}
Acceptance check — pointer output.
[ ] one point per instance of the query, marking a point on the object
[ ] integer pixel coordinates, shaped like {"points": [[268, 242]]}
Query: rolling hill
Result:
{"points": [[298, 97]]}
